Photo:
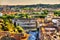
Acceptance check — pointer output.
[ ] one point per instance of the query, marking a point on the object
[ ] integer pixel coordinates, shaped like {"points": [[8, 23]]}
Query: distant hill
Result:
{"points": [[37, 5]]}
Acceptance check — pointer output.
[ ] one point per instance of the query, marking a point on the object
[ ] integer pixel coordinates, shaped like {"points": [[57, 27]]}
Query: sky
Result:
{"points": [[28, 2]]}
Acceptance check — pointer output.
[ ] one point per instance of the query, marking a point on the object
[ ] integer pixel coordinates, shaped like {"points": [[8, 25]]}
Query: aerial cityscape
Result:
{"points": [[30, 20]]}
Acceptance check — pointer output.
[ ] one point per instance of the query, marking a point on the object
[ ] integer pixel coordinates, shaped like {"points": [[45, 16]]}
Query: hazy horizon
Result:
{"points": [[28, 2]]}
